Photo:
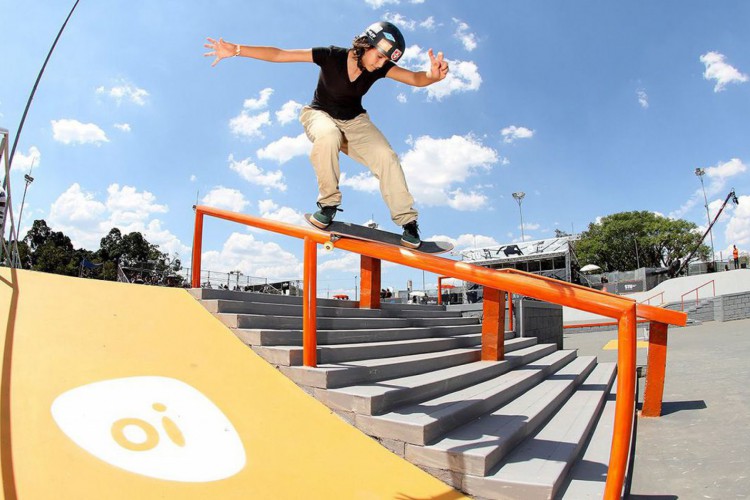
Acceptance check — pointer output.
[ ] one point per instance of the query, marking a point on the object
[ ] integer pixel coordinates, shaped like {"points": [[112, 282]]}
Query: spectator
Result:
{"points": [[736, 256]]}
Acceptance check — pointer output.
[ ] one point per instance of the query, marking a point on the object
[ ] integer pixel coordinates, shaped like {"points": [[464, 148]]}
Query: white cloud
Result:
{"points": [[376, 4], [470, 201], [256, 175], [719, 174], [76, 207], [642, 98], [241, 251], [261, 102], [124, 127], [428, 24], [286, 148], [715, 183], [463, 35], [435, 167], [73, 131], [86, 220], [720, 71], [193, 178], [347, 262], [400, 21], [401, 97], [738, 229], [130, 208], [270, 210], [510, 134], [248, 125], [225, 198], [125, 92], [22, 162], [167, 242], [288, 112], [467, 241], [364, 181], [463, 76]]}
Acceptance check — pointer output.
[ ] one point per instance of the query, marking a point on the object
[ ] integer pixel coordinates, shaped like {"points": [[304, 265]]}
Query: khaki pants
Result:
{"points": [[361, 140]]}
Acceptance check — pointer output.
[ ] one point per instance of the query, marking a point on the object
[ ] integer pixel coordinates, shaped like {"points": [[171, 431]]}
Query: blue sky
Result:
{"points": [[589, 107]]}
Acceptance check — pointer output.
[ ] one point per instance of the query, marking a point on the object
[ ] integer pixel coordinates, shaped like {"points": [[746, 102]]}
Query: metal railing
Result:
{"points": [[648, 300], [623, 310], [682, 297]]}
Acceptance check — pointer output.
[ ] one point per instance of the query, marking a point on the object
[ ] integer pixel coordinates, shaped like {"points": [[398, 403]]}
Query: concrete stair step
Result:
{"points": [[216, 294], [588, 477], [426, 422], [371, 370], [256, 321], [536, 468], [274, 309], [261, 337], [477, 446], [340, 353], [379, 397]]}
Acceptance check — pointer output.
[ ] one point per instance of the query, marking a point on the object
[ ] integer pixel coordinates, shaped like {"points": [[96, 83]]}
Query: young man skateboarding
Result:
{"points": [[336, 121]]}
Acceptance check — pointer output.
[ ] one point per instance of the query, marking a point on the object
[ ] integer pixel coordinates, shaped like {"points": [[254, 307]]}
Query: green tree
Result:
{"points": [[628, 240], [51, 251]]}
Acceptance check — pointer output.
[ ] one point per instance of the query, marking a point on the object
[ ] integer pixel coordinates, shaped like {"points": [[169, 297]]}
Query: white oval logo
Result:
{"points": [[155, 426]]}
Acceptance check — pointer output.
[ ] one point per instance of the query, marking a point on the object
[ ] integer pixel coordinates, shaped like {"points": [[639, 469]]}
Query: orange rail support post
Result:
{"points": [[309, 305], [493, 325], [440, 290], [197, 248], [369, 272], [655, 370], [624, 405], [510, 312]]}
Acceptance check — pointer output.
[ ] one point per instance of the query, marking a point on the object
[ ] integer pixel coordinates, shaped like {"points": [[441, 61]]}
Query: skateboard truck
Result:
{"points": [[328, 245]]}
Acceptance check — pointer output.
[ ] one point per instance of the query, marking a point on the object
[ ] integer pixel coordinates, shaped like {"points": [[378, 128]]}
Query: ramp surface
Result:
{"points": [[114, 391]]}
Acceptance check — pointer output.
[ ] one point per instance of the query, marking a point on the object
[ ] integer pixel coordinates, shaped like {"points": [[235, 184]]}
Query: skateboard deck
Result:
{"points": [[341, 229]]}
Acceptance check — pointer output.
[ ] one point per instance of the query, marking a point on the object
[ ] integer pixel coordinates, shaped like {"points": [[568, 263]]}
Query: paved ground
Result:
{"points": [[700, 446]]}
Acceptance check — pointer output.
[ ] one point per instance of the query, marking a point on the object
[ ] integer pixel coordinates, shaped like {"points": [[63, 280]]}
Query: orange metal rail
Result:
{"points": [[648, 300], [508, 280], [682, 297]]}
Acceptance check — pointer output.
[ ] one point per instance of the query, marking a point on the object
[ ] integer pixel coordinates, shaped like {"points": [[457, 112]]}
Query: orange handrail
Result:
{"points": [[682, 297], [648, 300], [622, 309]]}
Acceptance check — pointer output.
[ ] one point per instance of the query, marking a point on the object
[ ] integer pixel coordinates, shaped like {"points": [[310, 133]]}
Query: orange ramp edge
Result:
{"points": [[63, 333]]}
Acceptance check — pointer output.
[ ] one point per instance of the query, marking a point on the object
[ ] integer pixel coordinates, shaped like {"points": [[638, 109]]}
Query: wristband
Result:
{"points": [[237, 50]]}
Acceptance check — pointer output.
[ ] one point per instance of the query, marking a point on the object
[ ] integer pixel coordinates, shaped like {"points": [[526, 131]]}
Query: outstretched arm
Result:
{"points": [[221, 50], [438, 71]]}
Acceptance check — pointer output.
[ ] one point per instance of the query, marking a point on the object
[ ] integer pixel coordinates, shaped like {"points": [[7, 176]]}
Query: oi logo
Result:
{"points": [[155, 426]]}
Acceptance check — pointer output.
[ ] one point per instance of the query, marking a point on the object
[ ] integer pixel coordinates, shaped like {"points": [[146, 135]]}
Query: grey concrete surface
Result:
{"points": [[700, 446]]}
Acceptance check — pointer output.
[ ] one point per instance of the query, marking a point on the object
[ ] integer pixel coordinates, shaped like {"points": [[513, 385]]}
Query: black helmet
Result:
{"points": [[387, 38]]}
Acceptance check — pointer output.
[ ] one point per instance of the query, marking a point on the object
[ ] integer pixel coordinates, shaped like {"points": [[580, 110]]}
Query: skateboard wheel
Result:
{"points": [[328, 246]]}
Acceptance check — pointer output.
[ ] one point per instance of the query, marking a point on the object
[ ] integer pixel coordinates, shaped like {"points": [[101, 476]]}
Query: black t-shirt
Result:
{"points": [[335, 94]]}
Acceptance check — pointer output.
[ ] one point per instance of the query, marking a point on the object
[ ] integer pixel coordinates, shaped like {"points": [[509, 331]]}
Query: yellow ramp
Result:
{"points": [[124, 391]]}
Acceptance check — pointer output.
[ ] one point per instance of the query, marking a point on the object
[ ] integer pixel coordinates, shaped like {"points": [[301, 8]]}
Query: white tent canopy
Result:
{"points": [[590, 267]]}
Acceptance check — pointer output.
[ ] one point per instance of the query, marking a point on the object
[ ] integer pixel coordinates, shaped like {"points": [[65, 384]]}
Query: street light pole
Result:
{"points": [[518, 196], [700, 173], [29, 179]]}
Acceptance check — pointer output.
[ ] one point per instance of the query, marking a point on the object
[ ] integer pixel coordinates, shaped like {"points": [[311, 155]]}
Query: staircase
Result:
{"points": [[411, 377]]}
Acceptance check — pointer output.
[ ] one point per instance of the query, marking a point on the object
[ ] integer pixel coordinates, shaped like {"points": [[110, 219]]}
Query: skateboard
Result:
{"points": [[340, 229]]}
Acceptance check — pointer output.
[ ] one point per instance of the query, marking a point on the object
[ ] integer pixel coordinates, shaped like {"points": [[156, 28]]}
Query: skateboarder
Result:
{"points": [[336, 121]]}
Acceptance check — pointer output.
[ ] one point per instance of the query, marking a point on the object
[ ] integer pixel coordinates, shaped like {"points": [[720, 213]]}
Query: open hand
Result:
{"points": [[438, 67], [219, 49]]}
